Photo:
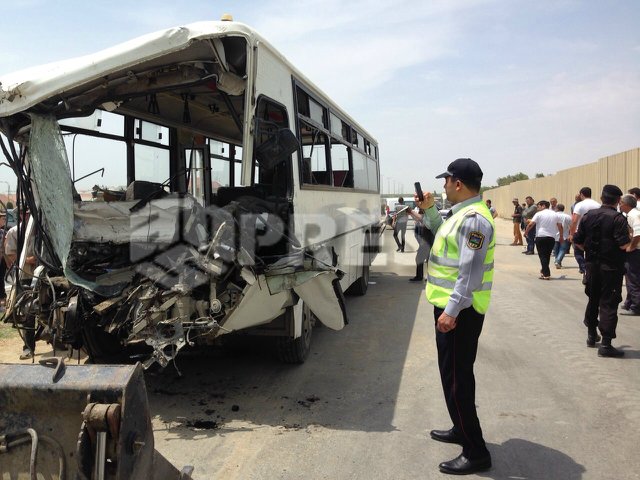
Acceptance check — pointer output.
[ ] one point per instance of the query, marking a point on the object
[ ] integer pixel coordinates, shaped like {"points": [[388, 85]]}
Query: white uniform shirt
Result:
{"points": [[583, 207], [546, 223], [565, 220], [633, 218], [11, 241]]}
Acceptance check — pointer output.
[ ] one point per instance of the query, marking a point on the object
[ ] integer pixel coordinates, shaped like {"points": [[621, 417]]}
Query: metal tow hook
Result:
{"points": [[57, 363]]}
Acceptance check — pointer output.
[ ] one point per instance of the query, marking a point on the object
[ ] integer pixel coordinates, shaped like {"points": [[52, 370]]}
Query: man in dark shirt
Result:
{"points": [[603, 233], [517, 218], [530, 234], [400, 224]]}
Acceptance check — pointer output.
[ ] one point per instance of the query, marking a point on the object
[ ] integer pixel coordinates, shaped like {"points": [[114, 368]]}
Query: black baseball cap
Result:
{"points": [[463, 169]]}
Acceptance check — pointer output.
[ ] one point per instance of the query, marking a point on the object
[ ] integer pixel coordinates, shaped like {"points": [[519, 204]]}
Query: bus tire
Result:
{"points": [[296, 350], [101, 346], [360, 286]]}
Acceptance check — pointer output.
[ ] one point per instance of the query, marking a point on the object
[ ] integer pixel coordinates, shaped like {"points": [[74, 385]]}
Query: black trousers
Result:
{"points": [[422, 255], [604, 289], [402, 229], [456, 355], [3, 272], [632, 266], [545, 247]]}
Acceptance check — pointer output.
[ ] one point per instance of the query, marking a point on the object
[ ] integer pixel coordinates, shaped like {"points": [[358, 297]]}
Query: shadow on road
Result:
{"points": [[349, 382], [518, 458], [628, 353]]}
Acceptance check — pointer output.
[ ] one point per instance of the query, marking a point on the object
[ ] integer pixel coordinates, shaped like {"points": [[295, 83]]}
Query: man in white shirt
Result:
{"points": [[631, 305], [562, 244], [547, 226], [583, 206], [635, 191]]}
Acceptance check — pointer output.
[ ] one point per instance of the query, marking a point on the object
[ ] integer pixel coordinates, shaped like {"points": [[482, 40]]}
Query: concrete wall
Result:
{"points": [[621, 169]]}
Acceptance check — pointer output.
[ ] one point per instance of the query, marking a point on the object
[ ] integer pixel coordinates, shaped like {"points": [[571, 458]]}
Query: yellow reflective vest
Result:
{"points": [[444, 261]]}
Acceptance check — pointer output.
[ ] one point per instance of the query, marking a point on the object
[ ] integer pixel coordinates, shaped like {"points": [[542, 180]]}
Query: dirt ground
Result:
{"points": [[10, 344], [11, 347]]}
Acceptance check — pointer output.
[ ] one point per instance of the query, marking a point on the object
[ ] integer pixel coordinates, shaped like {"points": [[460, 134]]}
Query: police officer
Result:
{"points": [[603, 233], [459, 279]]}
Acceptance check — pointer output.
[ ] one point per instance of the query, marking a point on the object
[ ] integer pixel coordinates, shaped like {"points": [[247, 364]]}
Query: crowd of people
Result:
{"points": [[605, 237]]}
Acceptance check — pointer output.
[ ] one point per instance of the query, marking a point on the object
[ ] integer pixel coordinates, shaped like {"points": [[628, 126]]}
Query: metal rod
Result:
{"points": [[100, 456]]}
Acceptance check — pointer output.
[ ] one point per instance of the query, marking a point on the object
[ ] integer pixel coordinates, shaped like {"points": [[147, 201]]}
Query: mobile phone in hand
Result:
{"points": [[419, 191]]}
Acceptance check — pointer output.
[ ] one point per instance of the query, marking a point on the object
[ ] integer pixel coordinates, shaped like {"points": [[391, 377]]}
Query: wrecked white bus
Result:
{"points": [[235, 196]]}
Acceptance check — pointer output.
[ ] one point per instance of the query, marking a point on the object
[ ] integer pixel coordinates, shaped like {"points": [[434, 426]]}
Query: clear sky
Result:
{"points": [[531, 86]]}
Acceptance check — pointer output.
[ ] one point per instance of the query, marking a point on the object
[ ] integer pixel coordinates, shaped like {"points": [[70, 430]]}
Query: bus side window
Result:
{"points": [[342, 173], [271, 117], [314, 147]]}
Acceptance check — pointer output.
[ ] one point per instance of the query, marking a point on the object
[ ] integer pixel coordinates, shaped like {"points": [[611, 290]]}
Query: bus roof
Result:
{"points": [[23, 89]]}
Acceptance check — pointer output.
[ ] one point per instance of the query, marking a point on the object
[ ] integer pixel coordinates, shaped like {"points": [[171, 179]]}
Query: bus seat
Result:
{"points": [[141, 189], [339, 177], [226, 195], [306, 170]]}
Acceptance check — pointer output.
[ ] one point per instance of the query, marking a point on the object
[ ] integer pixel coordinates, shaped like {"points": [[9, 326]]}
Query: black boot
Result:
{"points": [[419, 273], [606, 350], [592, 337]]}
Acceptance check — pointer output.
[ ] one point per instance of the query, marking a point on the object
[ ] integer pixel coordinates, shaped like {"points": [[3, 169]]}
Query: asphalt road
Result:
{"points": [[361, 406]]}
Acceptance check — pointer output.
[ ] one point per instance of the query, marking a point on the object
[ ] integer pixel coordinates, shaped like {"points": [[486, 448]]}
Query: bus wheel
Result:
{"points": [[296, 350], [101, 346], [360, 286]]}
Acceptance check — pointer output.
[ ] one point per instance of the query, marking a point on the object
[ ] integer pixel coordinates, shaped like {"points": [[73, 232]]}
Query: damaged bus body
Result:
{"points": [[248, 201]]}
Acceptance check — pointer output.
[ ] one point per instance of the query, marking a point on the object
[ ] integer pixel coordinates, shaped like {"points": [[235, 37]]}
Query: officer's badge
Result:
{"points": [[475, 240]]}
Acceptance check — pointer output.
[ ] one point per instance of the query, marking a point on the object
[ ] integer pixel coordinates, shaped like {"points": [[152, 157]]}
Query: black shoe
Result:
{"points": [[592, 339], [461, 465], [633, 313], [415, 279], [446, 436], [609, 351], [398, 249]]}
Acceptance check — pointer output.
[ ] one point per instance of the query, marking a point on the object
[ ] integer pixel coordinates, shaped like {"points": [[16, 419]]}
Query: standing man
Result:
{"points": [[583, 206], [529, 233], [424, 237], [562, 242], [400, 224], [494, 212], [517, 217], [631, 305], [603, 235], [553, 201], [459, 279], [547, 226]]}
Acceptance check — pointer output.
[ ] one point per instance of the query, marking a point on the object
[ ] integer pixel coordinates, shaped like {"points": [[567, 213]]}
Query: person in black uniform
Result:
{"points": [[424, 236], [604, 235]]}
